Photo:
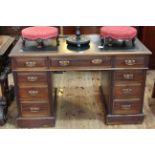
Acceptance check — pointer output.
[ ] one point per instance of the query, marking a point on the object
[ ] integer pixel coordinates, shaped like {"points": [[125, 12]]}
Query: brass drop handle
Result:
{"points": [[97, 61], [128, 76], [34, 109], [32, 78], [127, 106], [130, 62], [30, 63], [64, 62], [127, 91], [33, 92]]}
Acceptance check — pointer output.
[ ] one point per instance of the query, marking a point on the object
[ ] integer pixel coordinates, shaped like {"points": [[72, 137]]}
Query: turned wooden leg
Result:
{"points": [[3, 104]]}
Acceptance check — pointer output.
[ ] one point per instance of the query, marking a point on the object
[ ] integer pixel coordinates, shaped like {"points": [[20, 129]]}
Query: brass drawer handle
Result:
{"points": [[97, 61], [127, 91], [30, 63], [32, 78], [128, 76], [64, 62], [126, 106], [34, 109], [130, 62], [33, 92]]}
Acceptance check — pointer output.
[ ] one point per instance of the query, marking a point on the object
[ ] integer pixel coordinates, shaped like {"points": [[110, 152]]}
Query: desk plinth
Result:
{"points": [[123, 92]]}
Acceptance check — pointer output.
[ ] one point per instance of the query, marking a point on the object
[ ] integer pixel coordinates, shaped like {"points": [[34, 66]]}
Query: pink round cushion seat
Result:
{"points": [[118, 32], [39, 32]]}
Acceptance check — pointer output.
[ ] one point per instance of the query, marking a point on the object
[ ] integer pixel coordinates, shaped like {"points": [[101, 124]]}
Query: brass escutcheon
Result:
{"points": [[126, 106], [32, 78], [34, 109], [130, 62], [30, 63], [33, 92], [97, 61], [64, 62], [128, 76], [127, 91]]}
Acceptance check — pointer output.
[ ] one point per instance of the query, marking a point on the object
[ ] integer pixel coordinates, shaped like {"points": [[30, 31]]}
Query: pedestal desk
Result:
{"points": [[123, 92]]}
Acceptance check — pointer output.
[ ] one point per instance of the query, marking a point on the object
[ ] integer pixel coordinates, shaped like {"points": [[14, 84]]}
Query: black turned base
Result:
{"points": [[110, 42], [124, 119], [27, 122], [73, 41], [40, 42]]}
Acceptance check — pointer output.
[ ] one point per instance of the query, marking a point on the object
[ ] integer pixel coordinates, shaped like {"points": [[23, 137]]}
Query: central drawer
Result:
{"points": [[80, 62], [32, 109], [33, 93], [32, 78], [127, 90]]}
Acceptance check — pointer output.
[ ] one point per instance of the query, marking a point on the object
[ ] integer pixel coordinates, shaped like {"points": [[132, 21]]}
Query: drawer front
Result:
{"points": [[130, 61], [123, 91], [33, 94], [131, 75], [32, 109], [80, 62], [30, 62], [126, 107], [31, 78]]}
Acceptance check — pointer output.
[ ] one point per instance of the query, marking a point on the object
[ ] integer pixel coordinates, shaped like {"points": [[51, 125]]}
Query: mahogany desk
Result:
{"points": [[123, 92]]}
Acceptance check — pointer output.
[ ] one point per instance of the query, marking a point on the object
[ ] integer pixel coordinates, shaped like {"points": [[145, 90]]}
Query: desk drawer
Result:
{"points": [[124, 91], [129, 75], [30, 62], [126, 107], [31, 78], [130, 61], [33, 93], [80, 62], [32, 109]]}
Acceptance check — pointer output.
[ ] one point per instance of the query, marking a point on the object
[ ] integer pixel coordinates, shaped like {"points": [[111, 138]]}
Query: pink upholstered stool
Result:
{"points": [[118, 35], [39, 34]]}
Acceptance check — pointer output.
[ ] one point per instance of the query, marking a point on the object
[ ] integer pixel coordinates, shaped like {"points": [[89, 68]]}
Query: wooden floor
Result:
{"points": [[80, 106]]}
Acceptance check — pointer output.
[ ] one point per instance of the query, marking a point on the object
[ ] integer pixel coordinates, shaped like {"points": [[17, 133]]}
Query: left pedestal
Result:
{"points": [[34, 95]]}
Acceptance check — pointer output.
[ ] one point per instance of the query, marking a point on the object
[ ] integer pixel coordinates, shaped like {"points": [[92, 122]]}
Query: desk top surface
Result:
{"points": [[93, 49]]}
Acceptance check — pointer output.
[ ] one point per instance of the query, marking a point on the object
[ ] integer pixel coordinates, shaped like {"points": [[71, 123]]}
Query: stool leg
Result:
{"points": [[40, 43], [133, 41], [57, 40], [23, 43], [102, 41]]}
